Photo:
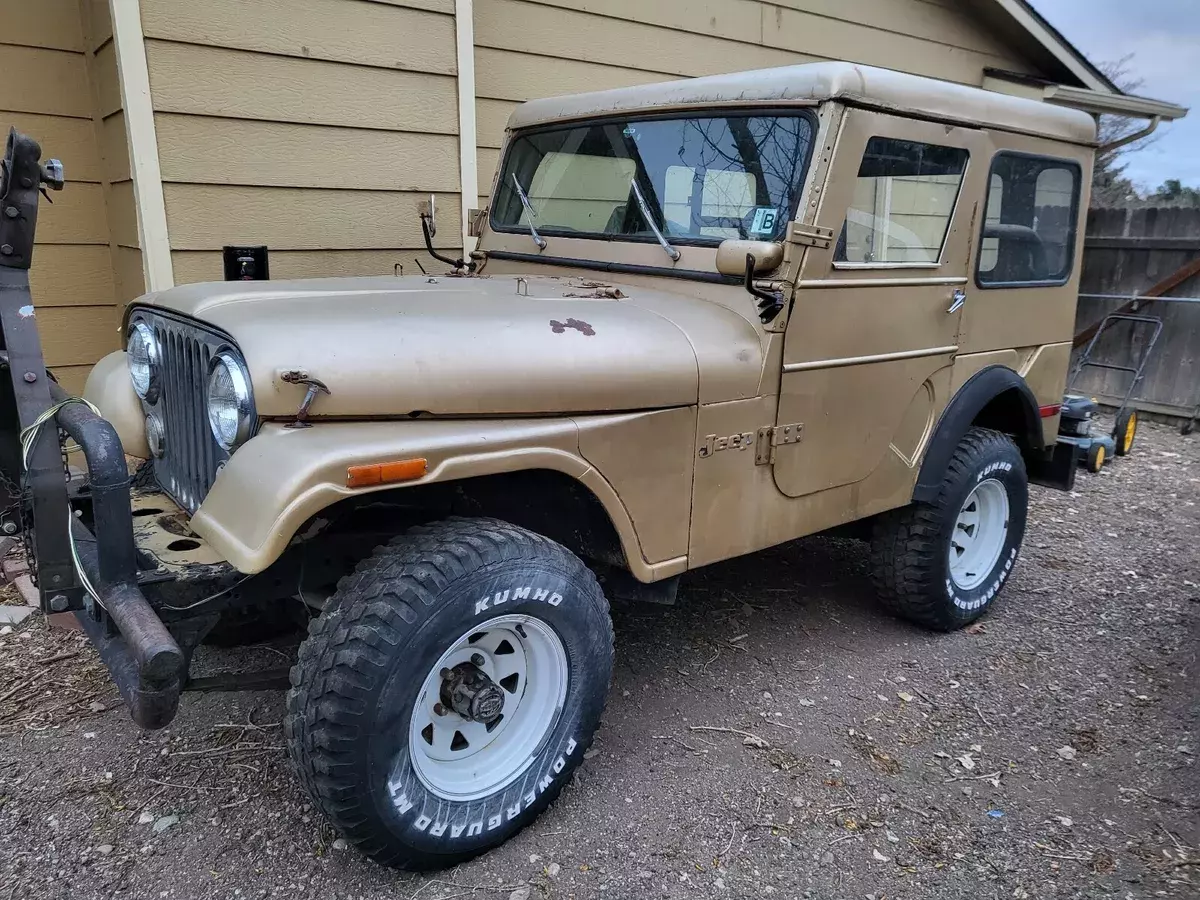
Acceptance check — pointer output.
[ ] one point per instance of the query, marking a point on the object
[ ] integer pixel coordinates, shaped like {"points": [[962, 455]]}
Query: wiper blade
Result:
{"points": [[662, 241], [537, 238]]}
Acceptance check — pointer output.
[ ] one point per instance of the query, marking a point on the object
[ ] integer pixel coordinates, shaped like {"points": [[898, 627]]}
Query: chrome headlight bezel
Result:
{"points": [[239, 377], [142, 333]]}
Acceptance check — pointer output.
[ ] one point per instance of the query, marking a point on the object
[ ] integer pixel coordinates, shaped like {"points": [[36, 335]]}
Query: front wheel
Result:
{"points": [[941, 564], [449, 690]]}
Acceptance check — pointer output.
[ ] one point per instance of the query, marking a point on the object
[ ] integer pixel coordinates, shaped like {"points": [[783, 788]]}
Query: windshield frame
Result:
{"points": [[806, 111]]}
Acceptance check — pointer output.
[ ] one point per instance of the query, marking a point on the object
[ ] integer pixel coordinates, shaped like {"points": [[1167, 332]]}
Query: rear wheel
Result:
{"points": [[942, 564], [1125, 431], [449, 690]]}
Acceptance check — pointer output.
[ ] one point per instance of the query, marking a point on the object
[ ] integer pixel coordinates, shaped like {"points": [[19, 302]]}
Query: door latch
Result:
{"points": [[956, 301]]}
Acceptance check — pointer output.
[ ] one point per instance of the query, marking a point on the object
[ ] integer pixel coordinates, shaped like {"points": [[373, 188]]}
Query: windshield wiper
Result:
{"points": [[537, 238], [662, 241]]}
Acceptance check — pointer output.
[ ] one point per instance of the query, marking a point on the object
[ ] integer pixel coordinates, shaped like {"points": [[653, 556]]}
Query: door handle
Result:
{"points": [[957, 300]]}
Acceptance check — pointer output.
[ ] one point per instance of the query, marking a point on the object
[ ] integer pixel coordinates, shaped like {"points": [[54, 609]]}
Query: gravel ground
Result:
{"points": [[771, 735]]}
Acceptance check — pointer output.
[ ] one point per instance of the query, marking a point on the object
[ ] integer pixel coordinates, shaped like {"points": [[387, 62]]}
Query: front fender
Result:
{"points": [[110, 390], [284, 476]]}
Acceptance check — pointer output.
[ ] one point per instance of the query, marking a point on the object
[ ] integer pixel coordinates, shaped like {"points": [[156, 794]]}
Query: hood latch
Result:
{"points": [[315, 387]]}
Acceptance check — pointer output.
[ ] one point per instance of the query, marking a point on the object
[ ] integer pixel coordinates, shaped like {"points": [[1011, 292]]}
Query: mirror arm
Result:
{"points": [[770, 303], [428, 234]]}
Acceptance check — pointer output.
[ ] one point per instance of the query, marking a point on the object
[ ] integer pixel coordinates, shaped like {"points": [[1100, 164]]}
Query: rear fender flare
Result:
{"points": [[964, 409]]}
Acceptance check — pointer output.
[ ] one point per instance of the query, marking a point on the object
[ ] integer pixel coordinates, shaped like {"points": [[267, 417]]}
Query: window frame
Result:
{"points": [[1061, 162], [848, 265], [707, 112]]}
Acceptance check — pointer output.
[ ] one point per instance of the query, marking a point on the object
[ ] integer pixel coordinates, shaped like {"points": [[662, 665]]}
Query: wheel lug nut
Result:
{"points": [[445, 673], [477, 660], [439, 709]]}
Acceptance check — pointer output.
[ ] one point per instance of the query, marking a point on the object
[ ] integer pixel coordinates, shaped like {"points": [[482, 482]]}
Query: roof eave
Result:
{"points": [[1052, 43]]}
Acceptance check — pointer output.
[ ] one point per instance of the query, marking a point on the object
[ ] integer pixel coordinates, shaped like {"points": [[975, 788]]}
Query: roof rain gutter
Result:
{"points": [[1130, 138], [1104, 103]]}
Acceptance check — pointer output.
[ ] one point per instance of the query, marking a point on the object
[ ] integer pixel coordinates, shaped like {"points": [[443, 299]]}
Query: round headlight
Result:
{"points": [[142, 350], [156, 436], [229, 406]]}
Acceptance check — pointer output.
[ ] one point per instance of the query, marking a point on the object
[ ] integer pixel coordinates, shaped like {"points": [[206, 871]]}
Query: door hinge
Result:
{"points": [[809, 235], [772, 436]]}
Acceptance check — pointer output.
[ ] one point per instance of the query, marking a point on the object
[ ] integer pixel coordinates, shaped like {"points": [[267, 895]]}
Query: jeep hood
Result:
{"points": [[477, 346]]}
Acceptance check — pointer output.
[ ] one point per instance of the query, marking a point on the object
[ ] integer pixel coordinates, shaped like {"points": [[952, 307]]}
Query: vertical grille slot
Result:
{"points": [[191, 458]]}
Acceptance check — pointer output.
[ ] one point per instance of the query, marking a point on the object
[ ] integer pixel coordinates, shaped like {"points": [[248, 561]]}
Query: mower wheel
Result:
{"points": [[1125, 431], [1096, 457]]}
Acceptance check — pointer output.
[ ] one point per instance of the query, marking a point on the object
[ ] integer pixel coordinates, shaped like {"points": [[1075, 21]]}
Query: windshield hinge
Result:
{"points": [[809, 235]]}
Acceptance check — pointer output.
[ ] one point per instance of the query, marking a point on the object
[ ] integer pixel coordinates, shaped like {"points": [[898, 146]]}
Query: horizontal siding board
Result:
{"points": [[368, 34], [108, 83], [79, 335], [98, 23], [526, 27], [51, 82], [951, 25], [487, 161], [122, 214], [71, 140], [205, 265], [834, 39], [199, 218], [508, 75], [491, 117], [740, 20], [232, 83], [42, 23], [129, 280], [736, 20], [114, 147], [75, 217], [241, 151], [442, 6], [72, 378], [65, 275]]}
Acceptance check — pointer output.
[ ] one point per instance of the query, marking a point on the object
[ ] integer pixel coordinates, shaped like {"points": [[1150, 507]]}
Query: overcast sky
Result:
{"points": [[1164, 38]]}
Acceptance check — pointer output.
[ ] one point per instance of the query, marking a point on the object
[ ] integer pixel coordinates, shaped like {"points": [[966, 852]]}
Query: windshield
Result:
{"points": [[702, 179]]}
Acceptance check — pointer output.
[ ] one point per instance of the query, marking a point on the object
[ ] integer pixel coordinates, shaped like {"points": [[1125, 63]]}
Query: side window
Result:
{"points": [[903, 201], [1029, 223]]}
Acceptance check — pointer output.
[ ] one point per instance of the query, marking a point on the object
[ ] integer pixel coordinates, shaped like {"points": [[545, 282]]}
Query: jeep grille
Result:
{"points": [[191, 456]]}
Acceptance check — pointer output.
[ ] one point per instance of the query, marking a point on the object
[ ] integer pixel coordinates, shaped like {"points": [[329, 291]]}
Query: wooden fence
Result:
{"points": [[1128, 252]]}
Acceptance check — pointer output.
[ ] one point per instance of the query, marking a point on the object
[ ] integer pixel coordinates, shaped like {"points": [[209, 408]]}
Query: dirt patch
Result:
{"points": [[772, 735]]}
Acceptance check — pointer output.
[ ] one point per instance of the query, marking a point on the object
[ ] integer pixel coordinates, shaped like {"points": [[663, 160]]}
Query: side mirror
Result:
{"points": [[731, 256]]}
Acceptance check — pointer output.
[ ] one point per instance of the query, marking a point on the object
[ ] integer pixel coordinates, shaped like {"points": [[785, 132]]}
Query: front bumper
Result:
{"points": [[145, 660]]}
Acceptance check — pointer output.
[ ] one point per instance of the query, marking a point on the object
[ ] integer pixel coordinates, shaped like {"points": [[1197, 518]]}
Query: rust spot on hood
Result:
{"points": [[582, 327]]}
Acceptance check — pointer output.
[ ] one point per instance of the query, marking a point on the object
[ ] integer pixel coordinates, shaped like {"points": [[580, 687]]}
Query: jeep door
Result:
{"points": [[875, 324]]}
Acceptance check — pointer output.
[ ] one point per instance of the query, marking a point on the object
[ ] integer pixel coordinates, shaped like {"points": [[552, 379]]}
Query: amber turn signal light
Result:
{"points": [[385, 473]]}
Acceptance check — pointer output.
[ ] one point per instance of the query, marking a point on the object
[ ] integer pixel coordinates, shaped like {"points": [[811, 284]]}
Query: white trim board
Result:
{"points": [[140, 135]]}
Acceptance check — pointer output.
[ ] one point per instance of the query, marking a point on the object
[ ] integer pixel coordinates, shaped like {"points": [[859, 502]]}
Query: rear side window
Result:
{"points": [[903, 200], [1029, 223]]}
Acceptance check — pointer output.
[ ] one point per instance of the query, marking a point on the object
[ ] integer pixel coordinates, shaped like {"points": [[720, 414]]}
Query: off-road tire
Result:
{"points": [[355, 685], [910, 546]]}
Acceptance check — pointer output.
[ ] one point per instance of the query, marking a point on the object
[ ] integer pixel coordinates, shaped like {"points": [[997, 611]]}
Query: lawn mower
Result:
{"points": [[1078, 417]]}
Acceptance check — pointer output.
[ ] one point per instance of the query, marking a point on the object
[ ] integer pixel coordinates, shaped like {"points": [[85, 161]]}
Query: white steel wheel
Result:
{"points": [[461, 758], [980, 534]]}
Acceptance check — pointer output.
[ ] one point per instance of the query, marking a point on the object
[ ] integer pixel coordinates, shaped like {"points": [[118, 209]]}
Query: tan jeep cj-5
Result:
{"points": [[704, 317]]}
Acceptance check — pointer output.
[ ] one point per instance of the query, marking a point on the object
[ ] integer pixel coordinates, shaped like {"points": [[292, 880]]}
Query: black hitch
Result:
{"points": [[95, 576]]}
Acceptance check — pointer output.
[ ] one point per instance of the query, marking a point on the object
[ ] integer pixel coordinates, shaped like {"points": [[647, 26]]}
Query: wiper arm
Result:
{"points": [[537, 238], [662, 241]]}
